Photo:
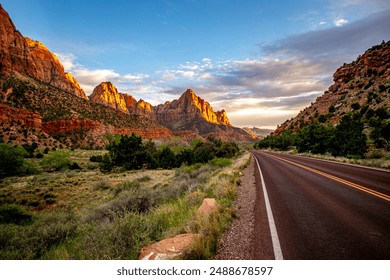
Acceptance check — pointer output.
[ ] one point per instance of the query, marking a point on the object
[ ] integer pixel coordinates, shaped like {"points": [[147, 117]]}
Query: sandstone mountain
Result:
{"points": [[43, 104], [188, 107], [106, 93], [361, 88], [28, 57], [192, 113], [189, 116]]}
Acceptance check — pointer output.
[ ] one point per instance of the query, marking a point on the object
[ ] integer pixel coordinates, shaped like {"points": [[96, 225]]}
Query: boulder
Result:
{"points": [[209, 206], [167, 249]]}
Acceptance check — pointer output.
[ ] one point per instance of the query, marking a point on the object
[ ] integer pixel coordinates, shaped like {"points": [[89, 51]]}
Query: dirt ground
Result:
{"points": [[237, 243]]}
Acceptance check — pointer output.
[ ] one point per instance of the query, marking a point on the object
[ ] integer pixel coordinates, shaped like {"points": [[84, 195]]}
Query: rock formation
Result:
{"points": [[169, 248], [189, 114], [26, 56], [188, 108], [28, 118], [107, 94]]}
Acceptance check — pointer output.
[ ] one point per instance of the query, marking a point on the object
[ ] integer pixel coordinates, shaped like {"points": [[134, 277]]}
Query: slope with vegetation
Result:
{"points": [[351, 119]]}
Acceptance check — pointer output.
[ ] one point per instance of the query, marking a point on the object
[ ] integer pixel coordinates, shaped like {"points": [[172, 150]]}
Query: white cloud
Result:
{"points": [[136, 79], [67, 61], [340, 22]]}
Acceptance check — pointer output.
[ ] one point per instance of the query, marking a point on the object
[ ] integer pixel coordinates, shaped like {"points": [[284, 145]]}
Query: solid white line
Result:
{"points": [[274, 233]]}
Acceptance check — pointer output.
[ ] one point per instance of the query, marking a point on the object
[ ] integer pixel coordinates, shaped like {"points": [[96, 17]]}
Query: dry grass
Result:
{"points": [[112, 215]]}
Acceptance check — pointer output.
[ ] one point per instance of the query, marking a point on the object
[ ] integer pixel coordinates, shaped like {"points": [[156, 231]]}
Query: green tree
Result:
{"points": [[12, 162], [315, 138], [349, 139], [166, 158]]}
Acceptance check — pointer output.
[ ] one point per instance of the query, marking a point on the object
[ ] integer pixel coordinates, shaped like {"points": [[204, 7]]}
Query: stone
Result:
{"points": [[208, 206], [167, 249]]}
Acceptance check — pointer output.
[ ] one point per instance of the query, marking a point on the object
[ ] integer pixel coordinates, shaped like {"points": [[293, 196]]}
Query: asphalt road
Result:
{"points": [[316, 209]]}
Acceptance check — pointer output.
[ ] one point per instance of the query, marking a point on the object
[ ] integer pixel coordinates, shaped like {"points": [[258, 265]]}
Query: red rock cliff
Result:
{"points": [[26, 56], [189, 107]]}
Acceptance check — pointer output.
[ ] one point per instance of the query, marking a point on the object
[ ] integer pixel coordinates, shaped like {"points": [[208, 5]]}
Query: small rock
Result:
{"points": [[168, 248], [209, 205]]}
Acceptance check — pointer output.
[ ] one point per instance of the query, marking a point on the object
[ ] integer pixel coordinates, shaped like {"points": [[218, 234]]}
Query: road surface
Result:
{"points": [[315, 209]]}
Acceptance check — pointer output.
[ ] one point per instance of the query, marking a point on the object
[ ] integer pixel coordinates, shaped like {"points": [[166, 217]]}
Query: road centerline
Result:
{"points": [[340, 180], [271, 222]]}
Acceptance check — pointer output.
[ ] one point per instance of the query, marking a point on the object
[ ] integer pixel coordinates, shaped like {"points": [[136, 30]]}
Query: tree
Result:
{"points": [[127, 152], [349, 139], [12, 162], [314, 138], [167, 158]]}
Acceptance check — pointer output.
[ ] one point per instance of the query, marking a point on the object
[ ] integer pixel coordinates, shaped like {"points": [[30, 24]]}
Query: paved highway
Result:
{"points": [[315, 209]]}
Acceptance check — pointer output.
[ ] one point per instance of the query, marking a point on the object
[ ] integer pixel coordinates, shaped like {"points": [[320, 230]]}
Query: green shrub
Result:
{"points": [[14, 214], [57, 161], [98, 158], [74, 166], [12, 161]]}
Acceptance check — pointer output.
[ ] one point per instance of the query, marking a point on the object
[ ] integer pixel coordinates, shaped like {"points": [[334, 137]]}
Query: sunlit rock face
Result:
{"points": [[107, 94], [189, 107], [19, 54]]}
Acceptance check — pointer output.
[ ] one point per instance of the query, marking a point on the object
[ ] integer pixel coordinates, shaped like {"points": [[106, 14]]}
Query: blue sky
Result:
{"points": [[263, 61]]}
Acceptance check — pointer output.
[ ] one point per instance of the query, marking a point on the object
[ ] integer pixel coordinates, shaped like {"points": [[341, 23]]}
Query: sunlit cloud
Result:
{"points": [[340, 22]]}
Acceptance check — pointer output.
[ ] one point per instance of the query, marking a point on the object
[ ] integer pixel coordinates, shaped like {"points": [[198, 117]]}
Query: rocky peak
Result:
{"points": [[190, 106], [106, 93], [26, 56]]}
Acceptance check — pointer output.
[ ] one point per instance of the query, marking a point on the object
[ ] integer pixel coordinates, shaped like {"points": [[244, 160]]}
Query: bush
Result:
{"points": [[14, 214], [98, 158], [57, 161], [12, 161], [74, 166]]}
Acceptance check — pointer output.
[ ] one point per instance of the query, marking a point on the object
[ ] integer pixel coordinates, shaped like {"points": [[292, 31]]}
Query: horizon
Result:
{"points": [[261, 62]]}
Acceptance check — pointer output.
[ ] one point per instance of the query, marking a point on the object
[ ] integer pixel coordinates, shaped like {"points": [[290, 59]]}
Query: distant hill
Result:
{"points": [[258, 132]]}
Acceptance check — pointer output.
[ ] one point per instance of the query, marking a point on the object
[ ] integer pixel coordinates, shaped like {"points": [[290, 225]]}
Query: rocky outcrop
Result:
{"points": [[187, 108], [359, 87], [26, 56], [167, 249], [65, 126], [107, 94], [9, 115]]}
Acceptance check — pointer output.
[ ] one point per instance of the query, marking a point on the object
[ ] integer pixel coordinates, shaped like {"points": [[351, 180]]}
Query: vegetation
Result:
{"points": [[130, 152], [64, 213], [354, 136]]}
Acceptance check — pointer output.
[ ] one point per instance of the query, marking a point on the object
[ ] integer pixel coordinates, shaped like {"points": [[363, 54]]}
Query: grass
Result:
{"points": [[86, 214], [371, 161]]}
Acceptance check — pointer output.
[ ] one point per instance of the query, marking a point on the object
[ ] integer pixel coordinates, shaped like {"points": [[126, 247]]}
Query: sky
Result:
{"points": [[261, 61]]}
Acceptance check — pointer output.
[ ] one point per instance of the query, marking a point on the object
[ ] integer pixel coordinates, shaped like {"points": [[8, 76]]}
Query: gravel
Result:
{"points": [[237, 243]]}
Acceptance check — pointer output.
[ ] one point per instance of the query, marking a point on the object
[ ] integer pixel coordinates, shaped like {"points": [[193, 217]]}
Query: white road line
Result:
{"points": [[274, 233]]}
